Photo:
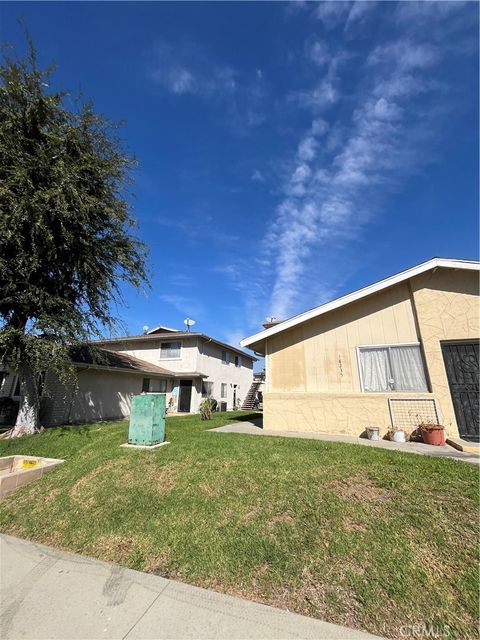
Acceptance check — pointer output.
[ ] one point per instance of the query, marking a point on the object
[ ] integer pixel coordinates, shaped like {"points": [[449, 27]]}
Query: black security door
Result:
{"points": [[461, 364], [185, 396]]}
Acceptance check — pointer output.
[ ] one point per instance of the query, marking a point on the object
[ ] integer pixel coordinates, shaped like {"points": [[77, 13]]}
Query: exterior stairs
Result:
{"points": [[251, 395]]}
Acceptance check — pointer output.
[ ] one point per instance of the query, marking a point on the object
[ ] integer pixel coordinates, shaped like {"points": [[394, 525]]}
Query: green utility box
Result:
{"points": [[147, 419]]}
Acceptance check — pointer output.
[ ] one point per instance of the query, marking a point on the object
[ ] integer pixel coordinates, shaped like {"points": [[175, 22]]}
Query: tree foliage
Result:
{"points": [[66, 241]]}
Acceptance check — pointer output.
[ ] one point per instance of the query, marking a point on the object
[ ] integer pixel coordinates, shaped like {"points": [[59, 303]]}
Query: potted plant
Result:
{"points": [[432, 433]]}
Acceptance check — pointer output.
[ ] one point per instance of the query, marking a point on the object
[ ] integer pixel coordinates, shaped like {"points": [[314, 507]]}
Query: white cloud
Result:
{"points": [[188, 70], [330, 200], [326, 91], [406, 55], [358, 13], [425, 10], [307, 148], [332, 13], [186, 306], [257, 176], [319, 127], [317, 51], [385, 110], [182, 81]]}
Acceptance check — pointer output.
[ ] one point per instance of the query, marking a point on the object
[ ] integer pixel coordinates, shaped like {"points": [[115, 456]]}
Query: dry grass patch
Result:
{"points": [[359, 490], [116, 548]]}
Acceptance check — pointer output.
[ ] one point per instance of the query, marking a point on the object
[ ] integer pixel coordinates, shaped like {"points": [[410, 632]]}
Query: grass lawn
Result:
{"points": [[359, 536]]}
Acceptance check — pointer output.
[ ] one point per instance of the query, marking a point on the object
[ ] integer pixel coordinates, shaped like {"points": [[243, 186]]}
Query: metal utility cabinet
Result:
{"points": [[147, 419]]}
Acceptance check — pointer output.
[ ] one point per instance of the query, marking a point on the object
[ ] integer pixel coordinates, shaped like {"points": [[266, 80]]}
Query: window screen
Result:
{"points": [[170, 350], [207, 389], [154, 386], [392, 368], [158, 386]]}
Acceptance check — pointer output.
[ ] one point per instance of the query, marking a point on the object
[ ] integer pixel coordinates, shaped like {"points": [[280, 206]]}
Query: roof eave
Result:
{"points": [[254, 340]]}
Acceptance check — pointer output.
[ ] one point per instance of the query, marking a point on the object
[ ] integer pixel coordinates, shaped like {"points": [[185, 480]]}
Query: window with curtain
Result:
{"points": [[207, 389], [225, 358], [154, 386], [392, 368], [158, 386], [170, 350]]}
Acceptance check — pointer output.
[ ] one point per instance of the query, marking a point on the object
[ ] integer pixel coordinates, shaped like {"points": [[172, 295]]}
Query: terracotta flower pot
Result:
{"points": [[433, 434]]}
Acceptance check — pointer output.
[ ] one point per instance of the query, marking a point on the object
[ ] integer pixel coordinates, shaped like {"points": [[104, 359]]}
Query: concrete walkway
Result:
{"points": [[46, 593], [255, 428]]}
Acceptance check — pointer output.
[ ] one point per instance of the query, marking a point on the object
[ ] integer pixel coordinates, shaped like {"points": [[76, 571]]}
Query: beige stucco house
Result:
{"points": [[396, 353], [185, 366]]}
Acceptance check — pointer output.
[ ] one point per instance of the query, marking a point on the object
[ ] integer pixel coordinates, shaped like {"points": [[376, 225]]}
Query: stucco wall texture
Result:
{"points": [[313, 381]]}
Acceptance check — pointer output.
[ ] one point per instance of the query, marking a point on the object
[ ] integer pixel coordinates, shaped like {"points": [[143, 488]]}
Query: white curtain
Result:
{"points": [[408, 371], [375, 369]]}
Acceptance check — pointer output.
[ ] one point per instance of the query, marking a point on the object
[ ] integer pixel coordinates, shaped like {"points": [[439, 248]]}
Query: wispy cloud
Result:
{"points": [[257, 176], [186, 69], [186, 306], [340, 173], [326, 92], [343, 13], [203, 230]]}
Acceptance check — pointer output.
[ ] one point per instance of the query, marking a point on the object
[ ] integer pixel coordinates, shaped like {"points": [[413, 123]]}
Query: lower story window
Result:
{"points": [[392, 368], [224, 390], [207, 389], [152, 385]]}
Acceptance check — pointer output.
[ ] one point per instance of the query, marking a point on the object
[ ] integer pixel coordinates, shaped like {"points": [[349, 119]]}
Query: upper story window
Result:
{"points": [[387, 368], [207, 389], [238, 361], [225, 357], [170, 350]]}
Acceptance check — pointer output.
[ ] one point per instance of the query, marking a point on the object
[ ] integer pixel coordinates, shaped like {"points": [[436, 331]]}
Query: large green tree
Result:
{"points": [[67, 235]]}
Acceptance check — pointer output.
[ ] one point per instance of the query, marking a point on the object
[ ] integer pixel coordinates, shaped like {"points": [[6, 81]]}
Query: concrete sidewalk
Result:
{"points": [[46, 593], [255, 428]]}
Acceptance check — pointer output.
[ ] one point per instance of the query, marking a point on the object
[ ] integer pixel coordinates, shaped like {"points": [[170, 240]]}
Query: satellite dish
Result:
{"points": [[189, 323], [145, 328]]}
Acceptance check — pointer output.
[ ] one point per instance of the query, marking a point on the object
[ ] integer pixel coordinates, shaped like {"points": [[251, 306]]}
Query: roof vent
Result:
{"points": [[270, 321]]}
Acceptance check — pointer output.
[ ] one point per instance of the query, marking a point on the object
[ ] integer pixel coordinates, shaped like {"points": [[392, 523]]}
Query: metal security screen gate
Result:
{"points": [[461, 364]]}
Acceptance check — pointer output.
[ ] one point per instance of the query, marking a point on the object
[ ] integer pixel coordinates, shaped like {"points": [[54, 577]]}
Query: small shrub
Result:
{"points": [[206, 407]]}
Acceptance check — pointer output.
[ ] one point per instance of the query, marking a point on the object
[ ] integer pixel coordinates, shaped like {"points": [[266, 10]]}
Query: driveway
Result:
{"points": [[47, 593]]}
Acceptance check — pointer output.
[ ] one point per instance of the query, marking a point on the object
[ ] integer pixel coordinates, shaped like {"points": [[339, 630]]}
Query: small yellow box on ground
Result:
{"points": [[29, 464]]}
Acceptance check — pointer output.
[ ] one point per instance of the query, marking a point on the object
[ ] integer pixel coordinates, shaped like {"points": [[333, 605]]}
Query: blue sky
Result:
{"points": [[288, 152]]}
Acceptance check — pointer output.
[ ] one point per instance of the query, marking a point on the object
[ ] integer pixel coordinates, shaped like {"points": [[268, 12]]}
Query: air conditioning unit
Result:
{"points": [[223, 406]]}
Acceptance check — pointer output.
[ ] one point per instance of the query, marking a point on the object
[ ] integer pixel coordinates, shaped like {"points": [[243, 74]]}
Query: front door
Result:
{"points": [[185, 396], [461, 364]]}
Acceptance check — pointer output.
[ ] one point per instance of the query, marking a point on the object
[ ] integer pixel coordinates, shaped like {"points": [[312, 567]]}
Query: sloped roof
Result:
{"points": [[163, 329], [253, 340], [173, 336], [106, 359]]}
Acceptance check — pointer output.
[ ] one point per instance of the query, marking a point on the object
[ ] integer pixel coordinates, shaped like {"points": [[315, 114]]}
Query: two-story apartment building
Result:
{"points": [[185, 366], [198, 366]]}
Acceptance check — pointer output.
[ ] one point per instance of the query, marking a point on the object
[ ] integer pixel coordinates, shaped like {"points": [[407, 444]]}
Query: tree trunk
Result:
{"points": [[28, 421]]}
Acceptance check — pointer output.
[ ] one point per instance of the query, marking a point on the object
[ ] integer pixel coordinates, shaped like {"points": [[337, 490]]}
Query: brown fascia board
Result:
{"points": [[144, 372], [170, 336]]}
